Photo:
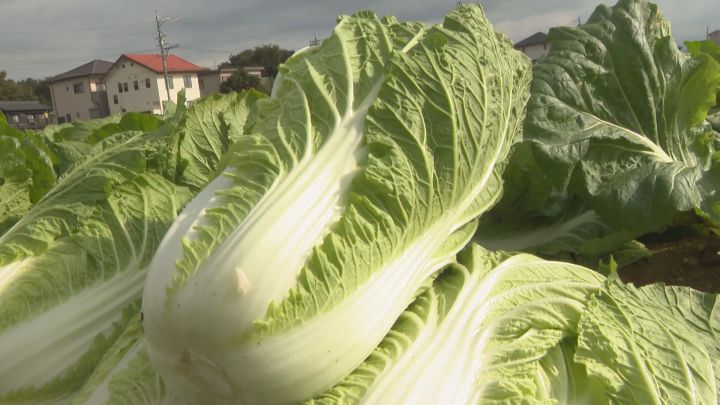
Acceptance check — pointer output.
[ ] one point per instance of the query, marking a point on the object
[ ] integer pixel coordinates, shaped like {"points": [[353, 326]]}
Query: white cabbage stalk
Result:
{"points": [[366, 170], [495, 329], [73, 265], [62, 307], [492, 328]]}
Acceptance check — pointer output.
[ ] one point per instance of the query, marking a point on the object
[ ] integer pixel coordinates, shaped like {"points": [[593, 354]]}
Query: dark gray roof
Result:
{"points": [[537, 38], [95, 67], [22, 106]]}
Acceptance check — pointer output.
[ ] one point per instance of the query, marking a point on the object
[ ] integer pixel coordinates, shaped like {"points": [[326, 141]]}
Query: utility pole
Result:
{"points": [[163, 48]]}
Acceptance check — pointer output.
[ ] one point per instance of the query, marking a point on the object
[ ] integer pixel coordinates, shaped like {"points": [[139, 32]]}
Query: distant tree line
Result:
{"points": [[267, 56], [24, 90]]}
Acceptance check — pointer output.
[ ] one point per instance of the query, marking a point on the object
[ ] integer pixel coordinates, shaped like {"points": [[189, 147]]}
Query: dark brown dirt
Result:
{"points": [[692, 261]]}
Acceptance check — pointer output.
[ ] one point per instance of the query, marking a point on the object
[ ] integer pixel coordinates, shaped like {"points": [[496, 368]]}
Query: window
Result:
{"points": [[120, 87], [68, 118], [187, 81], [94, 113], [124, 110], [61, 120], [125, 86], [78, 87], [132, 63], [170, 83], [67, 88], [30, 118], [123, 66], [16, 119], [147, 83], [77, 114], [115, 99], [136, 86]]}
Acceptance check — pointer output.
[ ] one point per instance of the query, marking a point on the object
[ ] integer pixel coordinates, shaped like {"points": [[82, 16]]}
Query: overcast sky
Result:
{"points": [[40, 38]]}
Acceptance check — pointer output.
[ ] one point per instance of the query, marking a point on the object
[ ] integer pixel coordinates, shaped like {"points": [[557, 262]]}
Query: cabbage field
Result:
{"points": [[416, 215]]}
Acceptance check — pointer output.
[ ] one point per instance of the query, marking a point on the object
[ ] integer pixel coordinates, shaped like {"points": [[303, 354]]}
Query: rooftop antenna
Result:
{"points": [[315, 41]]}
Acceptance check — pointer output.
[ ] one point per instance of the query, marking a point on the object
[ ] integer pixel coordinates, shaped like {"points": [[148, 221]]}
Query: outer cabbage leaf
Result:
{"points": [[78, 257], [368, 165], [494, 328], [615, 131], [211, 126], [82, 131], [653, 345], [61, 301], [708, 47], [616, 110], [124, 376], [26, 174]]}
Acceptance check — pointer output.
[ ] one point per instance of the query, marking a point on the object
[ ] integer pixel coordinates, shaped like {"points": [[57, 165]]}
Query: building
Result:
{"points": [[534, 46], [136, 82], [79, 94], [210, 80], [25, 114], [714, 36]]}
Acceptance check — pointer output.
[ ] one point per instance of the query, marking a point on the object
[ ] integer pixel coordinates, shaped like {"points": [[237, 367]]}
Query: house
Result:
{"points": [[25, 114], [211, 80], [136, 82], [79, 94], [534, 46], [714, 36]]}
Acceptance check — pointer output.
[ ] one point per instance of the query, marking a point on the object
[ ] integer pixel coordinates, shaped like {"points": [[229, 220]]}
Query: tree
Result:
{"points": [[267, 56], [41, 89], [241, 80], [24, 90], [13, 91]]}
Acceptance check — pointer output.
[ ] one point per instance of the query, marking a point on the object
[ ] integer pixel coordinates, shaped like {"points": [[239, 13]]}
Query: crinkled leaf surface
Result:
{"points": [[72, 264], [652, 345], [494, 329], [124, 376], [615, 126], [376, 149]]}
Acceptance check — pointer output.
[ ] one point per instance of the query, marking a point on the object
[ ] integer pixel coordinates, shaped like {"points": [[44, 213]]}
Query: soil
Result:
{"points": [[688, 260]]}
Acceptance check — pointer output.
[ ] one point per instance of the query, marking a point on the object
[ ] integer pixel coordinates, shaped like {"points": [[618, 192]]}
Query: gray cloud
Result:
{"points": [[46, 37]]}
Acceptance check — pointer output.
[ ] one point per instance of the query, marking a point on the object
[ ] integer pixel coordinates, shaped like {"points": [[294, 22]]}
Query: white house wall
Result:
{"points": [[191, 93], [140, 100], [143, 99]]}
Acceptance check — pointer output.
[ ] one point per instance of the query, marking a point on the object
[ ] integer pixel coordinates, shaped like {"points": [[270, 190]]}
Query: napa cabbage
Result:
{"points": [[361, 177]]}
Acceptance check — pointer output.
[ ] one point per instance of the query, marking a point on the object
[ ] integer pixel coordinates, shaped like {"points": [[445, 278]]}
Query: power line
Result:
{"points": [[68, 58], [85, 29], [205, 49]]}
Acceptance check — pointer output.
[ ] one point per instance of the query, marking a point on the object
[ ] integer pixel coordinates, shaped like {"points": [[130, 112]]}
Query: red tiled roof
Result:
{"points": [[154, 63]]}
